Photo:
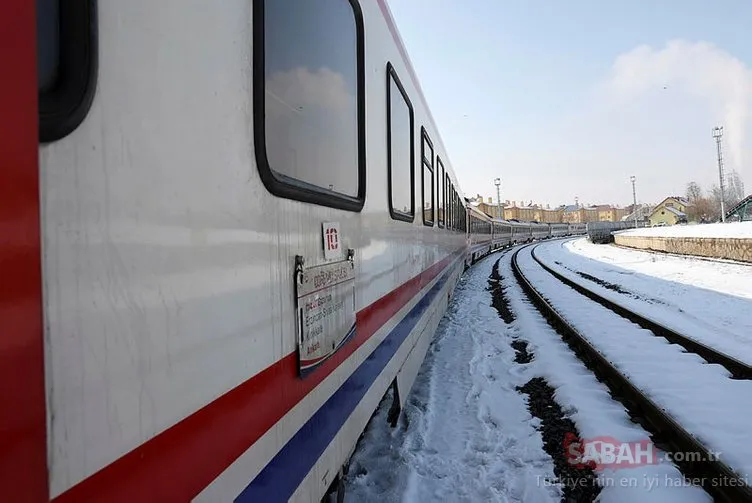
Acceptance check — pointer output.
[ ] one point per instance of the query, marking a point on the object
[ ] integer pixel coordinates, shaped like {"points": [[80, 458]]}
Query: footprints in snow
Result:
{"points": [[553, 422]]}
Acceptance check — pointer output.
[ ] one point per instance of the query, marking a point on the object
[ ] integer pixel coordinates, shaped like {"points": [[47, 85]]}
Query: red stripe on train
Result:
{"points": [[23, 447], [180, 462]]}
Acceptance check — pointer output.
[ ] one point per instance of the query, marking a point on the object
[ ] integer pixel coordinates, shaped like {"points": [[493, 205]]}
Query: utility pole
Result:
{"points": [[634, 199], [497, 182], [718, 134]]}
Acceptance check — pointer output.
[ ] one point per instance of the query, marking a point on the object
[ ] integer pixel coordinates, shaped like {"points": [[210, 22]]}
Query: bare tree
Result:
{"points": [[694, 192], [702, 208]]}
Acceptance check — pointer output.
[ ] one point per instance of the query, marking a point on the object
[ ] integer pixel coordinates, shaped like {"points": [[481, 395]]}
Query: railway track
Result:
{"points": [[666, 431], [738, 369]]}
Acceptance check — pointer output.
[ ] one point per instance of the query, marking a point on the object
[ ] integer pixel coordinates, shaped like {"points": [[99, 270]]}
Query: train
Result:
{"points": [[227, 231], [487, 234]]}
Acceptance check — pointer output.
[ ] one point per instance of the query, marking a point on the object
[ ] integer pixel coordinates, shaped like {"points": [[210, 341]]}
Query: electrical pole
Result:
{"points": [[718, 134], [499, 214], [634, 199]]}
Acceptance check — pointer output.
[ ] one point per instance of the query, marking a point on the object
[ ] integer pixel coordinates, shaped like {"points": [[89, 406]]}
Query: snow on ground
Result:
{"points": [[726, 277], [466, 433], [592, 409], [470, 435], [699, 396], [729, 230], [708, 301]]}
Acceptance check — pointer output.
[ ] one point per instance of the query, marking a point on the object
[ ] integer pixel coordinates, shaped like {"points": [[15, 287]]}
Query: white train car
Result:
{"points": [[250, 230], [540, 230], [577, 229], [521, 232], [558, 230], [502, 233], [480, 233]]}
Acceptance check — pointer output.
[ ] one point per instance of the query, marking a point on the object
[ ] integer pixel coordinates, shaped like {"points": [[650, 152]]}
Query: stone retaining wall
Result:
{"points": [[725, 248]]}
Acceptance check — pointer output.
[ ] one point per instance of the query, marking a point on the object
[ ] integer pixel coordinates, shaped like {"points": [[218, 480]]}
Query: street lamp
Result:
{"points": [[634, 200], [497, 182], [717, 135]]}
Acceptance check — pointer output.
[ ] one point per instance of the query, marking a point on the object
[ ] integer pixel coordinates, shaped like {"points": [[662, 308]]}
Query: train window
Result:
{"points": [[456, 212], [445, 191], [457, 215], [401, 149], [48, 43], [454, 209], [427, 174], [308, 97], [460, 216], [447, 201], [439, 191], [66, 64]]}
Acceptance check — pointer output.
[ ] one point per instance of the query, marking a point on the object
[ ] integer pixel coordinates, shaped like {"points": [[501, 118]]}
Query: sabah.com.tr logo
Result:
{"points": [[604, 453]]}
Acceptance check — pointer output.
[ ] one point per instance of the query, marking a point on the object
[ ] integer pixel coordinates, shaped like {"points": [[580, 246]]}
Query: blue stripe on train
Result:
{"points": [[283, 474]]}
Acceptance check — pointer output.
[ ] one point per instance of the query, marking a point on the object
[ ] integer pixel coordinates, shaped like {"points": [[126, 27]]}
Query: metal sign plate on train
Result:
{"points": [[325, 310]]}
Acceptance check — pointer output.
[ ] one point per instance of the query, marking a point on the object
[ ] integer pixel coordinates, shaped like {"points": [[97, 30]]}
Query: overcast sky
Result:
{"points": [[569, 98]]}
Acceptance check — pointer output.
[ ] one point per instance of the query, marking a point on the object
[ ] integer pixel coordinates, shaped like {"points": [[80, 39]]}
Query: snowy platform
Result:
{"points": [[741, 230], [731, 241]]}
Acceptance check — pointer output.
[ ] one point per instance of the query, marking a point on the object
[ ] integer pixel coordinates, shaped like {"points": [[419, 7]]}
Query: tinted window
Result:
{"points": [[312, 118], [67, 53], [451, 208], [439, 192], [428, 191], [447, 201], [48, 43], [455, 214], [401, 149]]}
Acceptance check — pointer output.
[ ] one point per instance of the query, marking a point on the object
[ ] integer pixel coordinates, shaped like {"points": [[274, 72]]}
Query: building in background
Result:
{"points": [[608, 213], [670, 211], [522, 213], [571, 214], [531, 212], [576, 214], [642, 213], [489, 207]]}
